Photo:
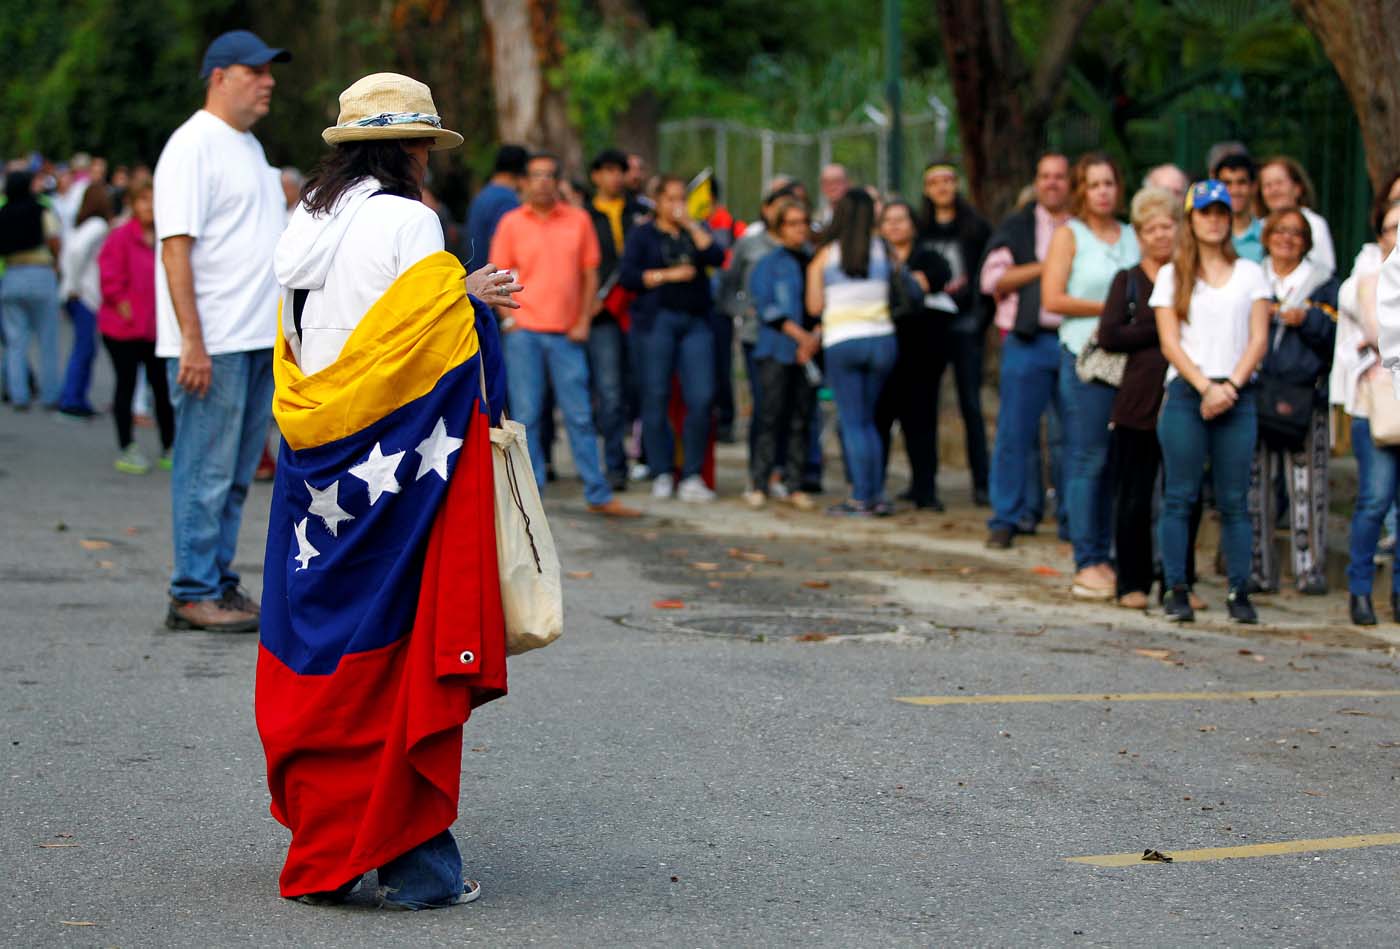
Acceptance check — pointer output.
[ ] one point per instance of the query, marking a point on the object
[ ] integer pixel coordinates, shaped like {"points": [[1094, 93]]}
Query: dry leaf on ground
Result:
{"points": [[817, 584], [90, 544], [1164, 655], [75, 922], [57, 846], [580, 574], [714, 585], [1351, 711], [705, 566], [1313, 793], [812, 637], [668, 604], [752, 556], [1206, 728], [1041, 570]]}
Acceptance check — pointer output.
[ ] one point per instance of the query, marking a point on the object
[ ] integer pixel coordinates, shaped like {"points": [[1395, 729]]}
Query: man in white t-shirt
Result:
{"points": [[219, 210]]}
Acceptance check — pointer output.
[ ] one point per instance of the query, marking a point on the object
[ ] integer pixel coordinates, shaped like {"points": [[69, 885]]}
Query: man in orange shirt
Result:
{"points": [[552, 249]]}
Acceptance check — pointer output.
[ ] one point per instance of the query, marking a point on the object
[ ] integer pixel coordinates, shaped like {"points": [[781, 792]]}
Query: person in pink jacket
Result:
{"points": [[127, 322]]}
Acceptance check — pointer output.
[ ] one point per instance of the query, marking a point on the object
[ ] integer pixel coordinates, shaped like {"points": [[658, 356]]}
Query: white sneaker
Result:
{"points": [[638, 472], [663, 486], [694, 490], [755, 499]]}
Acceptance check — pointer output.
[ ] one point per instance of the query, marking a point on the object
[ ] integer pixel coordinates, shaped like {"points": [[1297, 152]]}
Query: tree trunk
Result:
{"points": [[525, 44], [1003, 101], [1362, 39]]}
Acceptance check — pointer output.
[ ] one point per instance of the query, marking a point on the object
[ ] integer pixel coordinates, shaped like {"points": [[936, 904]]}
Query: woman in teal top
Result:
{"points": [[1084, 256]]}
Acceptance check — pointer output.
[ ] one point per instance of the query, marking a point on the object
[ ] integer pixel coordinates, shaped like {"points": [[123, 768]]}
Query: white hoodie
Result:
{"points": [[347, 259]]}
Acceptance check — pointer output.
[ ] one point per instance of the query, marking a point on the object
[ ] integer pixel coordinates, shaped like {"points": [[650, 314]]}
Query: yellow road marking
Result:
{"points": [[1147, 696], [1237, 853]]}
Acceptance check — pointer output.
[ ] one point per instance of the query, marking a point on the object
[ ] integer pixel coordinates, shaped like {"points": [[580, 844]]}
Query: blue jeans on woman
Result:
{"points": [[1378, 470], [428, 876], [74, 399], [856, 370], [683, 344], [1188, 441], [29, 307], [1087, 407]]}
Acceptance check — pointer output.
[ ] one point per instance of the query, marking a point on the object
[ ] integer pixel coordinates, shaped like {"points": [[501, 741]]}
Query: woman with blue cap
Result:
{"points": [[1213, 318]]}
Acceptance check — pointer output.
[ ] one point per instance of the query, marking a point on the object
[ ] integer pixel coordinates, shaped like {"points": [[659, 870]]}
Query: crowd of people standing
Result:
{"points": [[1120, 411]]}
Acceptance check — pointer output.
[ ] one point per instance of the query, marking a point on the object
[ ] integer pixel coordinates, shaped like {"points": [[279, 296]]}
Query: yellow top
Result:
{"points": [[612, 210]]}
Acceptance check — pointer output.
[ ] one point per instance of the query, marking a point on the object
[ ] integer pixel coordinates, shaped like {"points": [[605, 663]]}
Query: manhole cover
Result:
{"points": [[771, 625]]}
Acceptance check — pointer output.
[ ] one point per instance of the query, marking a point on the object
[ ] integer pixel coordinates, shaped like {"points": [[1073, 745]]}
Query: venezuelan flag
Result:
{"points": [[381, 614]]}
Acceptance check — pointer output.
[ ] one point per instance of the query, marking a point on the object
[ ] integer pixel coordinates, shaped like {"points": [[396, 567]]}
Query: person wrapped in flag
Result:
{"points": [[382, 627]]}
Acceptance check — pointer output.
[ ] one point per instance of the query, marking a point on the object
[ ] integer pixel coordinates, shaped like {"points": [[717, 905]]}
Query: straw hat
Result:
{"points": [[385, 105]]}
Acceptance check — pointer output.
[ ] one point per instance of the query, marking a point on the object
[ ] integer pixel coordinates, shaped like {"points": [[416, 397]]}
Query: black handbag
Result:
{"points": [[906, 296], [1285, 412]]}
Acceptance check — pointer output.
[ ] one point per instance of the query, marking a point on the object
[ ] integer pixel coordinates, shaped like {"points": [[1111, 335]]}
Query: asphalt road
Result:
{"points": [[736, 772]]}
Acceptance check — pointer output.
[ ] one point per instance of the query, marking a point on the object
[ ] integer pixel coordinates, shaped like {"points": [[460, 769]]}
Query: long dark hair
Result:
{"points": [[384, 160], [852, 228]]}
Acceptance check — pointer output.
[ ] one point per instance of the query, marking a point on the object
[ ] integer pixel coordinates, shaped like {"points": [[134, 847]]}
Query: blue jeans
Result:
{"points": [[856, 370], [218, 441], [79, 376], [534, 359], [1088, 493], [682, 344], [1378, 468], [29, 307], [1188, 441], [1030, 372], [607, 367], [428, 876]]}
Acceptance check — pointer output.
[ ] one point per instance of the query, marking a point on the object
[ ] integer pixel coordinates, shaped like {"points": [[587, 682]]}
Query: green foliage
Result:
{"points": [[91, 74]]}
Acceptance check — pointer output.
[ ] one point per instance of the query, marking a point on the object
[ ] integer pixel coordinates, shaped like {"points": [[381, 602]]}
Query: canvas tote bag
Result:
{"points": [[531, 591]]}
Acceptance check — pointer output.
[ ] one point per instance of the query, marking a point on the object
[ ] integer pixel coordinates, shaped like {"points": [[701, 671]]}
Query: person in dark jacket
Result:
{"points": [[959, 234], [1129, 326], [1030, 359], [664, 261], [1302, 336], [923, 336], [614, 215]]}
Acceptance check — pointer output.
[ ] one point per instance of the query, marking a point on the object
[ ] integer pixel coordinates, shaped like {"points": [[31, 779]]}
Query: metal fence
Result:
{"points": [[744, 158]]}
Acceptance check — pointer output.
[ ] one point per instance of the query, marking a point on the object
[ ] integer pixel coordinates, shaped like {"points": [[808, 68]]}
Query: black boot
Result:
{"points": [[1363, 613], [1395, 606]]}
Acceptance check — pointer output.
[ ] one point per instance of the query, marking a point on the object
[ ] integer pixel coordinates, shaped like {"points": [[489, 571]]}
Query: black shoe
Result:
{"points": [[811, 487], [930, 504], [980, 498], [1240, 609], [1313, 586], [725, 435], [906, 495], [1178, 605], [1027, 528], [1363, 612], [549, 475], [999, 538]]}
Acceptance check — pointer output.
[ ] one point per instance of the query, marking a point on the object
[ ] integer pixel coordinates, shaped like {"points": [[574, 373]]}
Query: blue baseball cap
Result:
{"points": [[1205, 193], [239, 48]]}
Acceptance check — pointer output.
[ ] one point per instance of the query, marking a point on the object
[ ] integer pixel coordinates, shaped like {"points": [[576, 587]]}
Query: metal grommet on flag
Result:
{"points": [[467, 657]]}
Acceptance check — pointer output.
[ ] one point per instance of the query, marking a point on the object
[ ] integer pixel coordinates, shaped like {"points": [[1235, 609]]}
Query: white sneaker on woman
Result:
{"points": [[663, 486], [694, 490]]}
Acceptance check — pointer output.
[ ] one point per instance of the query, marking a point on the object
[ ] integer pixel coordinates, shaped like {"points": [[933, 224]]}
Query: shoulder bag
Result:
{"points": [[1382, 408], [1096, 364], [532, 596]]}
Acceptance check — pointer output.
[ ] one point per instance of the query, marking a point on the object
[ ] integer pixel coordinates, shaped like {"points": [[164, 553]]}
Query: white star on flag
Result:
{"points": [[304, 549], [435, 449], [325, 504], [377, 471]]}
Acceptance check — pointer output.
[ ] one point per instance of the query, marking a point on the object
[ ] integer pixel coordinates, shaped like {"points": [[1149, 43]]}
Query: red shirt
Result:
{"points": [[549, 254]]}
